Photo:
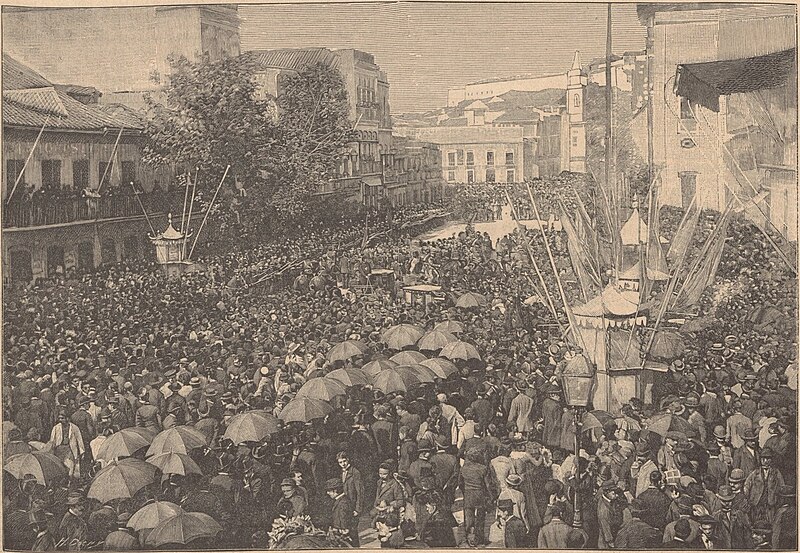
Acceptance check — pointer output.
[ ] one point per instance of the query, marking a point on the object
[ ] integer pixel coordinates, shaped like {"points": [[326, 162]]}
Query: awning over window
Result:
{"points": [[704, 83]]}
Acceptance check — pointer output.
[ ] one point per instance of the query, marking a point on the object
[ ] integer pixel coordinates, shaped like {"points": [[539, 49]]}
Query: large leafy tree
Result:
{"points": [[209, 116], [281, 150], [313, 115]]}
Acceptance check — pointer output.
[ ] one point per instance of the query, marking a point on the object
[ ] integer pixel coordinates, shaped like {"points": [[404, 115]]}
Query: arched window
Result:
{"points": [[577, 101]]}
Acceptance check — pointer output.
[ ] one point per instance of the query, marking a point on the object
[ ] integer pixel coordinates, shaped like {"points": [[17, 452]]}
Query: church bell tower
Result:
{"points": [[576, 139]]}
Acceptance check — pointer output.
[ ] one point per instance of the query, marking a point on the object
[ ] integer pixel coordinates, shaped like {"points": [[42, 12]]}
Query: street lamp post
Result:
{"points": [[577, 378]]}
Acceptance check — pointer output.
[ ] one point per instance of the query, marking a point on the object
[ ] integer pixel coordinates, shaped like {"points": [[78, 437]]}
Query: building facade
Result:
{"points": [[122, 51], [69, 174], [515, 135], [742, 144], [477, 153]]}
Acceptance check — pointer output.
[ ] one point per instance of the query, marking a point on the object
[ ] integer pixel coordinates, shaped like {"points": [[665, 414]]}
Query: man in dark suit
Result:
{"points": [[636, 533], [515, 533], [655, 503], [85, 423], [784, 526], [761, 488], [476, 485], [555, 534], [388, 491], [73, 529], [438, 528], [343, 521], [446, 469], [353, 489], [716, 466], [681, 537], [734, 530], [746, 456]]}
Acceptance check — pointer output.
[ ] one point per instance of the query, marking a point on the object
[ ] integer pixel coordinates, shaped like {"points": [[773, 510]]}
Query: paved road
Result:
{"points": [[496, 229]]}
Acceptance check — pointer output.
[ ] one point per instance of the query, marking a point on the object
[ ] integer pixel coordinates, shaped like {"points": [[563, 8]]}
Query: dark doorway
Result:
{"points": [[55, 260], [20, 268]]}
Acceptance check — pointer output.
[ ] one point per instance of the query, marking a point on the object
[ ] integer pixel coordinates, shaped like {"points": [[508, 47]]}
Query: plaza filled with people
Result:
{"points": [[296, 395]]}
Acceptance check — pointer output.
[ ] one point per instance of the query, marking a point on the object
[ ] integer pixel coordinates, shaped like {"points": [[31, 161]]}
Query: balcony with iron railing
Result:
{"points": [[63, 207]]}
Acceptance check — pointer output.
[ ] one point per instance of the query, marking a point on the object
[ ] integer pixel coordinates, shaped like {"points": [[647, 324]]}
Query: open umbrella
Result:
{"points": [[401, 336], [252, 426], [470, 299], [453, 327], [124, 443], [374, 367], [346, 350], [174, 463], [121, 480], [45, 467], [601, 420], [153, 514], [440, 366], [304, 409], [398, 379], [183, 528], [436, 340], [180, 439], [408, 357], [667, 345], [425, 373], [323, 388], [460, 350], [667, 422], [350, 377]]}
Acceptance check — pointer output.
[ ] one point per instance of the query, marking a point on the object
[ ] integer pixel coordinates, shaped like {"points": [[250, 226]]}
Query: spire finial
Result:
{"points": [[576, 61], [169, 219]]}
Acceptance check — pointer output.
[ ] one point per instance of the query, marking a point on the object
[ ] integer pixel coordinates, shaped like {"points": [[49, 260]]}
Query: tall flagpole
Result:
{"points": [[27, 160], [208, 211], [563, 294], [547, 295]]}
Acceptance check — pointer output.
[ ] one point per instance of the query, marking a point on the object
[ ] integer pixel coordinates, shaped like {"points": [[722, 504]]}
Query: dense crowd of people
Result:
{"points": [[97, 360]]}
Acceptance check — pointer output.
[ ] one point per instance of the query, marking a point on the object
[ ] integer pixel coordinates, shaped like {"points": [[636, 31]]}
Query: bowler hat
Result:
{"points": [[719, 432], [749, 434], [737, 475], [725, 494], [75, 498], [514, 480]]}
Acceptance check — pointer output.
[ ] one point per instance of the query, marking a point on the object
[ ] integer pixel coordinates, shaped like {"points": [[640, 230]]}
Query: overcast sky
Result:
{"points": [[427, 47]]}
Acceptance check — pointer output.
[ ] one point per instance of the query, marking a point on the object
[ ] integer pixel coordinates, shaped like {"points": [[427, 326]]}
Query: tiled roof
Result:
{"points": [[45, 100], [29, 100], [295, 58], [78, 116], [454, 122], [17, 75], [518, 115]]}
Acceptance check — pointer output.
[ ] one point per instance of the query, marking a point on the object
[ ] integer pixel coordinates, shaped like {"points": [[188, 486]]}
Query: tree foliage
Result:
{"points": [[281, 150], [210, 117], [313, 117]]}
